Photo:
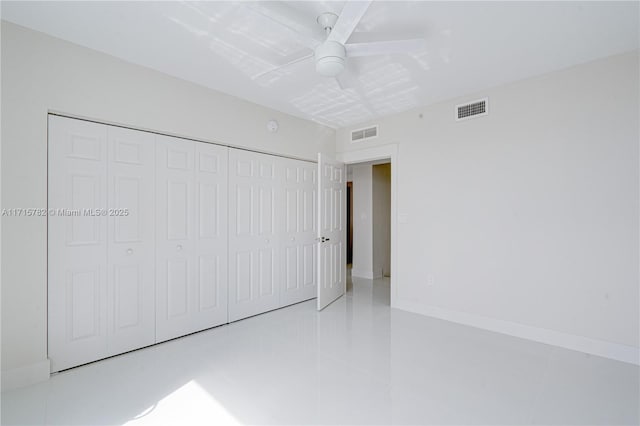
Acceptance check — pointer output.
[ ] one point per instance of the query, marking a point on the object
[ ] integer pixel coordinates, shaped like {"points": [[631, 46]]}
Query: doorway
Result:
{"points": [[384, 154], [369, 228]]}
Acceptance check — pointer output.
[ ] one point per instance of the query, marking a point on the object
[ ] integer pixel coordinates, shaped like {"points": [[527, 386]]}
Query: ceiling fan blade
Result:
{"points": [[385, 47], [281, 66], [350, 16], [296, 23]]}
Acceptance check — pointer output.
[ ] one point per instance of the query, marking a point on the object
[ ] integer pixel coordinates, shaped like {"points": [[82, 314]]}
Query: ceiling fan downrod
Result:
{"points": [[327, 20]]}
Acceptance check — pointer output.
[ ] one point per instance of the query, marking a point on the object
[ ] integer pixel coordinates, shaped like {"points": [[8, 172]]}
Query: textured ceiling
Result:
{"points": [[228, 46]]}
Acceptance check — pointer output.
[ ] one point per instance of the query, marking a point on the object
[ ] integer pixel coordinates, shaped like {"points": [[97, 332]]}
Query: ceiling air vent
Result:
{"points": [[472, 109], [362, 134]]}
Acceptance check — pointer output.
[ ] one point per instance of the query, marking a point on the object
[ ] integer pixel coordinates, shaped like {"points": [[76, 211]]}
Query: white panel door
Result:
{"points": [[131, 240], [299, 248], [255, 182], [175, 248], [209, 295], [332, 263], [77, 242], [191, 235]]}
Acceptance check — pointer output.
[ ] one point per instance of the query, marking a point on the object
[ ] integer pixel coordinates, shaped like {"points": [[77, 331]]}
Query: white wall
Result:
{"points": [[525, 221], [381, 209], [41, 74], [362, 263]]}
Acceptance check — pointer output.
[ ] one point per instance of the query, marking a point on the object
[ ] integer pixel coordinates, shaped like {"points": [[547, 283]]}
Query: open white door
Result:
{"points": [[332, 268]]}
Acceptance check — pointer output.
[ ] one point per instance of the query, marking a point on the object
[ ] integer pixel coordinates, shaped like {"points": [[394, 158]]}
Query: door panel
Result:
{"points": [[177, 287], [209, 281], [175, 249], [266, 272], [243, 283], [291, 268], [254, 218], [208, 211], [298, 244], [84, 303], [131, 241], [243, 216], [128, 305], [77, 243], [331, 258], [128, 191], [209, 301], [85, 189], [192, 236], [308, 265], [266, 208]]}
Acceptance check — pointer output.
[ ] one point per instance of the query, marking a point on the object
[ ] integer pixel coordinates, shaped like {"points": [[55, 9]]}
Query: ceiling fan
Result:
{"points": [[331, 54]]}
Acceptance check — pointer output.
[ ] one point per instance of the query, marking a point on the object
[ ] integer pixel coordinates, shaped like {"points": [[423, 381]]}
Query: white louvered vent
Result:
{"points": [[362, 134], [472, 109]]}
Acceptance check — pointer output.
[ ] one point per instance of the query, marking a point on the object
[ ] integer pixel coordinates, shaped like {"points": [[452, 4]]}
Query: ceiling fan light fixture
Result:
{"points": [[330, 58]]}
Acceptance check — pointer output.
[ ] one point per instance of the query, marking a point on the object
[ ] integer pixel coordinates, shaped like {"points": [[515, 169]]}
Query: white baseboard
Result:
{"points": [[25, 376], [369, 275], [362, 274], [617, 351]]}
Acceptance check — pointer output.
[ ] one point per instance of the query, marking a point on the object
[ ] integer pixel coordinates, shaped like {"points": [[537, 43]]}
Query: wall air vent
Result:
{"points": [[362, 134], [473, 109]]}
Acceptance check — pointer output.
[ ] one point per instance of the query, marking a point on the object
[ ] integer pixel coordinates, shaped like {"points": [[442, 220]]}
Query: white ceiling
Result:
{"points": [[470, 46]]}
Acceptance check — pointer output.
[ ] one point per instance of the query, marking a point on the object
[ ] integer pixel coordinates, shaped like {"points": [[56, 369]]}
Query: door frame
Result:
{"points": [[382, 152]]}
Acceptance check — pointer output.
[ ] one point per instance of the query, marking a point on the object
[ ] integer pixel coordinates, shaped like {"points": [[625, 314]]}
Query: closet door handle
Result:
{"points": [[179, 247], [129, 251]]}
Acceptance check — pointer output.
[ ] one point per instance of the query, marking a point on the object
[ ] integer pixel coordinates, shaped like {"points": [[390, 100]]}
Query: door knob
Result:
{"points": [[129, 251], [322, 239], [266, 241], [293, 238], [179, 247]]}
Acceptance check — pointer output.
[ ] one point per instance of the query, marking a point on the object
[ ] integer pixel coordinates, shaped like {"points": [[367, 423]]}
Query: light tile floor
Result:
{"points": [[357, 362]]}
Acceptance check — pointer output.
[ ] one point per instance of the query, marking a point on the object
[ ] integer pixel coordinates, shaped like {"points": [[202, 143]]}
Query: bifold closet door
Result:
{"points": [[101, 247], [131, 240], [77, 243], [153, 237], [255, 215], [299, 246], [191, 254]]}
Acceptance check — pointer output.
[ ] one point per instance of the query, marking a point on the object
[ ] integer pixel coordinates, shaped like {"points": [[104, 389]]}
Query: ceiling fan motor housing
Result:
{"points": [[330, 57]]}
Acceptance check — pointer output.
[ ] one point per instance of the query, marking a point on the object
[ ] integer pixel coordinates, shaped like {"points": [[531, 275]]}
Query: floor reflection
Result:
{"points": [[356, 362]]}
